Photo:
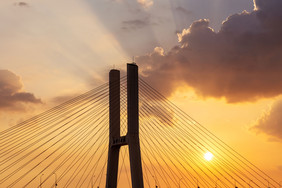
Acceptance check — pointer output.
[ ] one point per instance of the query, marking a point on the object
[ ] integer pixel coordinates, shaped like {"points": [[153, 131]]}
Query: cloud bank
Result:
{"points": [[270, 123], [241, 62], [11, 93]]}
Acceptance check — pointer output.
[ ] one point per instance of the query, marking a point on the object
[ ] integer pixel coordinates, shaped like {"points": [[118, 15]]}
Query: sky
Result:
{"points": [[218, 60]]}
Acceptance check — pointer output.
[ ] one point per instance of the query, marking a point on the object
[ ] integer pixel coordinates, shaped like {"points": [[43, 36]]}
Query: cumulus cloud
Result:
{"points": [[270, 122], [145, 3], [241, 62], [11, 93]]}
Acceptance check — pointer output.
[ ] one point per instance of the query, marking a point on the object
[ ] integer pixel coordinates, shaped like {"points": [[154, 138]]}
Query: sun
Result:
{"points": [[208, 156]]}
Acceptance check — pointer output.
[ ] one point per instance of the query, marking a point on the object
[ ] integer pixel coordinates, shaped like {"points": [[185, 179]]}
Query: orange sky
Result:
{"points": [[53, 50]]}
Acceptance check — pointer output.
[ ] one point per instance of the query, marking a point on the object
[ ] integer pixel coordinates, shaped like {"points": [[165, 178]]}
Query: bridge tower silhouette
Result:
{"points": [[132, 137]]}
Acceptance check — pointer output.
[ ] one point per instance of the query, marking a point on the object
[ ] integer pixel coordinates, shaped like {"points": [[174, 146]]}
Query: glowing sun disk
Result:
{"points": [[208, 156]]}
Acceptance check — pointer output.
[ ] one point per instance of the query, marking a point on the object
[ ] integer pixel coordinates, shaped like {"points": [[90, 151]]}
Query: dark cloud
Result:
{"points": [[270, 123], [241, 62], [136, 24], [182, 10], [11, 94], [22, 4]]}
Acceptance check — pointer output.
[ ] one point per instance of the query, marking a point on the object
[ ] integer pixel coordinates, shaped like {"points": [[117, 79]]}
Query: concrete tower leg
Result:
{"points": [[133, 126], [113, 153]]}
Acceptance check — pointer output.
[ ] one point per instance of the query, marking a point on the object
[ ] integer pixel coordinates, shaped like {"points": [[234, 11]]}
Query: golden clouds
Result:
{"points": [[242, 62]]}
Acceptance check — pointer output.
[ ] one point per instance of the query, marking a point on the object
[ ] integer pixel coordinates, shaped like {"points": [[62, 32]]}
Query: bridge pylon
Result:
{"points": [[132, 137]]}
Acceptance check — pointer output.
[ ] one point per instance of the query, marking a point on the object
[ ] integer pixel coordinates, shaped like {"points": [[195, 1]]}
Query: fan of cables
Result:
{"points": [[67, 146]]}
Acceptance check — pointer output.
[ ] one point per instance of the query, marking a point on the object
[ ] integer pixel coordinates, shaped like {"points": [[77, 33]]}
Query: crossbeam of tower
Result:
{"points": [[132, 137]]}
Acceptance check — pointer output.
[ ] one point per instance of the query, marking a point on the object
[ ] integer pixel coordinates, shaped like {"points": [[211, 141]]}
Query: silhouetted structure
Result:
{"points": [[132, 137]]}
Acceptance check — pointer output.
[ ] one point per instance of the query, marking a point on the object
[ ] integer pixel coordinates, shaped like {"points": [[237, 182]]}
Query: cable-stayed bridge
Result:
{"points": [[80, 144]]}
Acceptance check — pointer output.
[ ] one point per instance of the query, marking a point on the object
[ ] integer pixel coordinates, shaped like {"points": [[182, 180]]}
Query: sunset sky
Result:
{"points": [[218, 60]]}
